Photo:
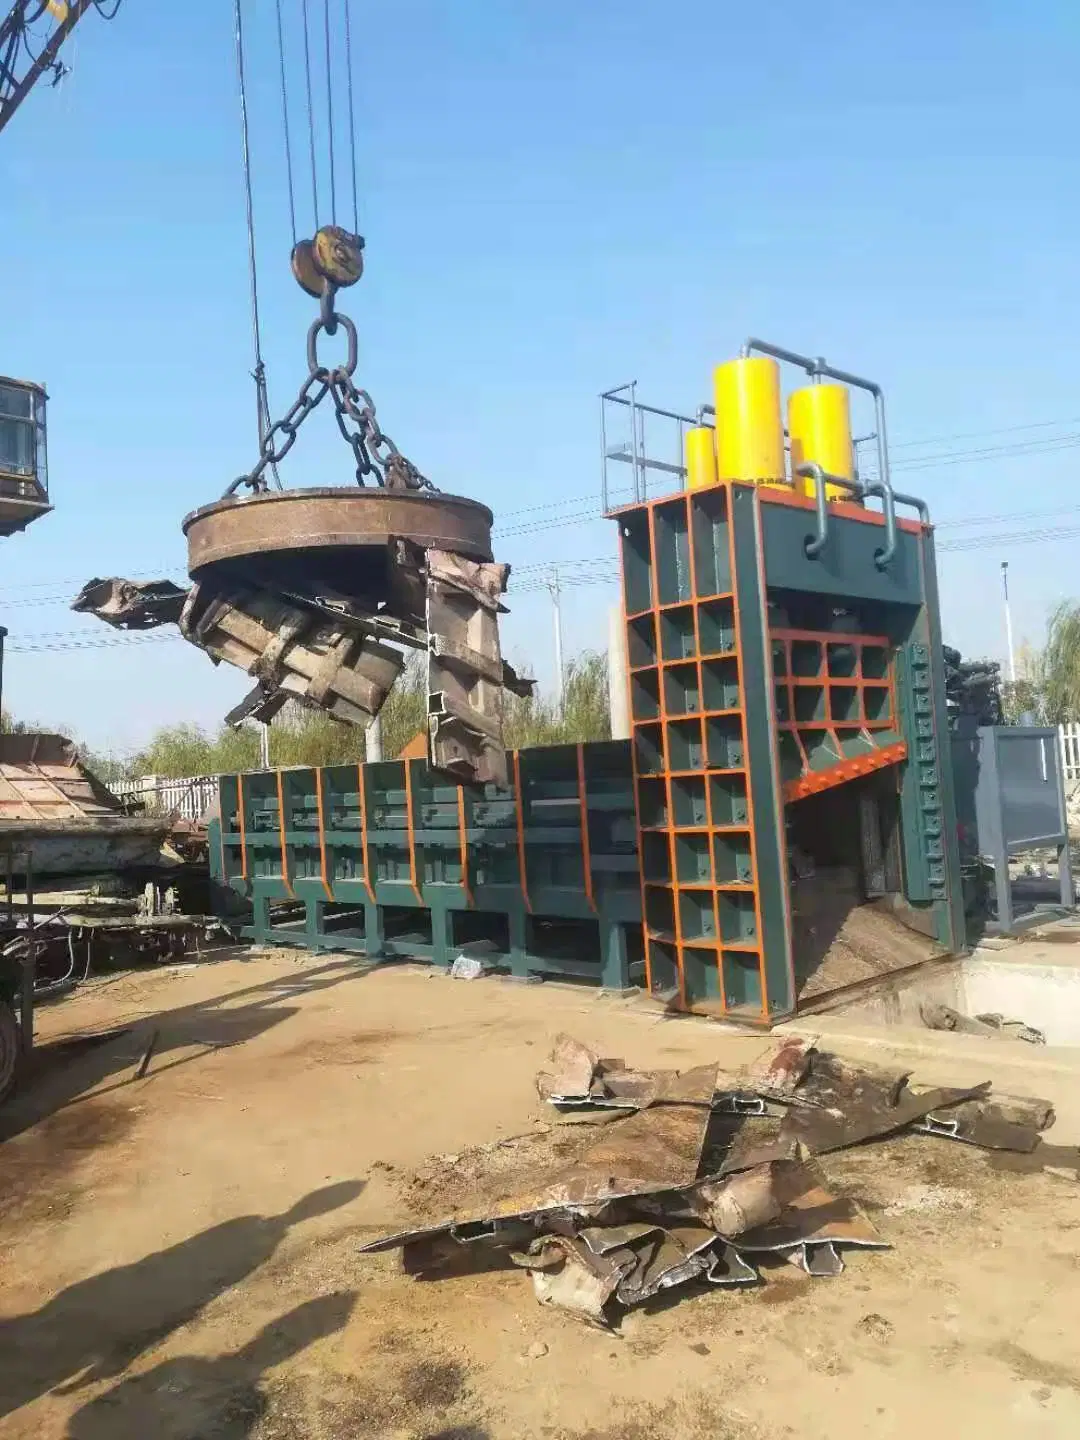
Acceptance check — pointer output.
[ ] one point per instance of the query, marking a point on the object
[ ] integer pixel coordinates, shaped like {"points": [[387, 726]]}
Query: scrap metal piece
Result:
{"points": [[573, 1070], [567, 1274], [465, 668], [730, 1268], [781, 1070], [602, 1239], [990, 1027], [1002, 1122], [649, 1152], [288, 649], [740, 1102], [262, 704], [1012, 1029], [654, 1257], [740, 1202], [831, 1081], [464, 1247], [812, 1223], [867, 1116], [671, 1256], [580, 1080], [819, 1260], [131, 604], [656, 1149]]}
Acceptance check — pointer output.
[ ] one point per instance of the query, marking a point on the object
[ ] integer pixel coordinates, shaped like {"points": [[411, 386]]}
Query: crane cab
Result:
{"points": [[24, 475]]}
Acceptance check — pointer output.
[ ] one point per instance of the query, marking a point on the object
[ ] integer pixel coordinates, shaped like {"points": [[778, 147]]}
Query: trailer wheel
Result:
{"points": [[9, 1050]]}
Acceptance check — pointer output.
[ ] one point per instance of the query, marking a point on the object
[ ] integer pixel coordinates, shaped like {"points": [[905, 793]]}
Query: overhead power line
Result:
{"points": [[30, 645], [583, 509]]}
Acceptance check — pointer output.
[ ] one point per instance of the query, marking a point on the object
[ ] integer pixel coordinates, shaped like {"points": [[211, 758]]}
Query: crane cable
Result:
{"points": [[285, 122], [262, 403], [310, 120], [331, 260], [328, 27], [352, 118], [330, 114]]}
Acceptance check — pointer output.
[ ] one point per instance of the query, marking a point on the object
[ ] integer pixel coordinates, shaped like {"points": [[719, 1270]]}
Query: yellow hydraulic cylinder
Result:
{"points": [[749, 428], [819, 426], [700, 457]]}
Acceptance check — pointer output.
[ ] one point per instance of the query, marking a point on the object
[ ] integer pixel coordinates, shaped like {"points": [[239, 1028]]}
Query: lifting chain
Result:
{"points": [[375, 454]]}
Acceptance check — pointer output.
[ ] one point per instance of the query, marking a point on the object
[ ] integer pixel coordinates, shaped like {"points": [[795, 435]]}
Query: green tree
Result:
{"points": [[585, 714], [301, 736], [1059, 668]]}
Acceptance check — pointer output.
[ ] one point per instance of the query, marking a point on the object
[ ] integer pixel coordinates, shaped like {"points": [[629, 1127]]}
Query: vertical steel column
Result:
{"points": [[29, 965], [767, 815]]}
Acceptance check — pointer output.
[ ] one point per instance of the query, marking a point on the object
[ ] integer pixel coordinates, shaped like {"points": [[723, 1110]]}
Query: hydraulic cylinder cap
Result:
{"points": [[819, 425], [749, 427], [700, 457]]}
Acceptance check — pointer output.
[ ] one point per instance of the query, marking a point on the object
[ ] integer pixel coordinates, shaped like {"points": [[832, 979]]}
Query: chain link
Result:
{"points": [[312, 393], [375, 454]]}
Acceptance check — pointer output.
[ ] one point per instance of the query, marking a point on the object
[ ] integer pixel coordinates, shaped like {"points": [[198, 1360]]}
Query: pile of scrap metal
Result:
{"points": [[89, 886], [318, 594], [973, 689], [706, 1177]]}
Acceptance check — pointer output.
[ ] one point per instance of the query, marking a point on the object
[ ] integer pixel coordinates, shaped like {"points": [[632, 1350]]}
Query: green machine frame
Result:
{"points": [[765, 672], [394, 861], [762, 675]]}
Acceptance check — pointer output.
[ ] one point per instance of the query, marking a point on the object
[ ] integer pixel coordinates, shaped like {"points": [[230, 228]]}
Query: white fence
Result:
{"points": [[189, 797], [1069, 737]]}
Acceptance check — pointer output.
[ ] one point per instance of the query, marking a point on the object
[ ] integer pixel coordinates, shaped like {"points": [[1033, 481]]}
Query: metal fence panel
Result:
{"points": [[189, 796], [1069, 743]]}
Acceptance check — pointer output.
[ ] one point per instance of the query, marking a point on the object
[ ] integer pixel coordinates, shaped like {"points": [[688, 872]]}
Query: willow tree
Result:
{"points": [[1060, 664]]}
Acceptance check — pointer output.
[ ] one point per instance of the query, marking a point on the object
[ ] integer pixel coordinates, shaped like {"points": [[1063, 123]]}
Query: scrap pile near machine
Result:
{"points": [[90, 886], [709, 1177]]}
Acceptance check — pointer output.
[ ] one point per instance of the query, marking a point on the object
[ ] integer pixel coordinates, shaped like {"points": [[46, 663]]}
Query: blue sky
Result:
{"points": [[557, 197]]}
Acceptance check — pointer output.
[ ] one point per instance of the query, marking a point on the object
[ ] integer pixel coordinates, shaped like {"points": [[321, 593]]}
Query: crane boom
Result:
{"points": [[21, 66]]}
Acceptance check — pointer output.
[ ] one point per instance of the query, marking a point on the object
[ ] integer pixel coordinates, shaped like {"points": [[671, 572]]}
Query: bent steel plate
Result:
{"points": [[287, 521]]}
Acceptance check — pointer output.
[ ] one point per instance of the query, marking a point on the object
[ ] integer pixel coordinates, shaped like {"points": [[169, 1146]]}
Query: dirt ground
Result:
{"points": [[178, 1254]]}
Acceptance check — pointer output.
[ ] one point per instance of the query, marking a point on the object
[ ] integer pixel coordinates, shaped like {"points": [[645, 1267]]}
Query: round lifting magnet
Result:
{"points": [[338, 255]]}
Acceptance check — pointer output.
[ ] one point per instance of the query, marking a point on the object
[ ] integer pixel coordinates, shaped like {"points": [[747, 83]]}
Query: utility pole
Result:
{"points": [[1011, 656], [264, 745], [556, 605], [373, 741]]}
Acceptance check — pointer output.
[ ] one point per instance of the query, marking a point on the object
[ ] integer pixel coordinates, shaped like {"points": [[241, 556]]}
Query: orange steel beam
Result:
{"points": [[243, 826], [463, 842], [846, 770], [412, 831]]}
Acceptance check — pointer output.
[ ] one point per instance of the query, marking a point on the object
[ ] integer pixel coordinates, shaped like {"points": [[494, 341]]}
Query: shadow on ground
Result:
{"points": [[95, 1329], [63, 1073], [217, 1396]]}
